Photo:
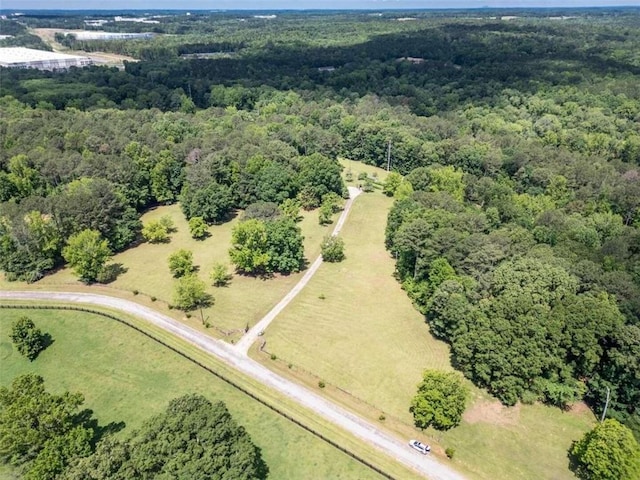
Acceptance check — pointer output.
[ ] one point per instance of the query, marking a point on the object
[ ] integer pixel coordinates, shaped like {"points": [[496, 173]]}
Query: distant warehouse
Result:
{"points": [[89, 35], [19, 57]]}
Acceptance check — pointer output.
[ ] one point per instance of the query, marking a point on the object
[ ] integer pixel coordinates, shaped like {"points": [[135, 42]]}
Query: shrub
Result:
{"points": [[220, 276], [368, 185], [382, 418], [363, 176], [155, 232], [198, 228], [332, 248], [450, 452], [273, 356], [27, 338], [167, 223], [153, 299], [321, 384], [110, 273], [136, 292], [324, 214]]}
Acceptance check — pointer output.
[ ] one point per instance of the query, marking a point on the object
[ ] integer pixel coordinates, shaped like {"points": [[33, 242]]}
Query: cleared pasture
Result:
{"points": [[243, 302], [127, 377], [354, 328]]}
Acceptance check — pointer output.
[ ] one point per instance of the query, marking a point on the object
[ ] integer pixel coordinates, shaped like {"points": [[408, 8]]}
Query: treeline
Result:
{"points": [[516, 226], [20, 36], [430, 66], [536, 289], [99, 170]]}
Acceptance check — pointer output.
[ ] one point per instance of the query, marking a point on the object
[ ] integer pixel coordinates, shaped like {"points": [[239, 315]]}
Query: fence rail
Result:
{"points": [[209, 370]]}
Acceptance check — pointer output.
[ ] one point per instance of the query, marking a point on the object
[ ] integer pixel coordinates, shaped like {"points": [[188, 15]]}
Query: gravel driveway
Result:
{"points": [[361, 428]]}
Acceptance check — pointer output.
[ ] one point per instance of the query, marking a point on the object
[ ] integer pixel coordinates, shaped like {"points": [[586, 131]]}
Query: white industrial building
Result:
{"points": [[89, 35], [20, 57]]}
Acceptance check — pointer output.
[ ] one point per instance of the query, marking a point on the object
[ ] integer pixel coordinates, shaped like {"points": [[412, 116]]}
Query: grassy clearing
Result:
{"points": [[128, 377], [522, 442], [366, 338], [359, 167], [245, 301], [364, 333]]}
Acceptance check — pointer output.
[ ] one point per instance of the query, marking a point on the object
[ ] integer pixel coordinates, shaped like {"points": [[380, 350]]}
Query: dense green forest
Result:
{"points": [[516, 227]]}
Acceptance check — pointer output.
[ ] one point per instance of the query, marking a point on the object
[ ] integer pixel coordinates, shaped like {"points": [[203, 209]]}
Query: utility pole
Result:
{"points": [[389, 156], [606, 404]]}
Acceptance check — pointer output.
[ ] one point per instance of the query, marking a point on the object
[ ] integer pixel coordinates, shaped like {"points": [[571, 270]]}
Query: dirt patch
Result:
{"points": [[579, 408], [493, 412]]}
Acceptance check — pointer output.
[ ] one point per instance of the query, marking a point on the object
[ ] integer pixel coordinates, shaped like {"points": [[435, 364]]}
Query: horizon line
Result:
{"points": [[354, 9]]}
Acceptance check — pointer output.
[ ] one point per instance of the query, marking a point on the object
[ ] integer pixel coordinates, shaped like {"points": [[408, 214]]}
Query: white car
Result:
{"points": [[421, 447]]}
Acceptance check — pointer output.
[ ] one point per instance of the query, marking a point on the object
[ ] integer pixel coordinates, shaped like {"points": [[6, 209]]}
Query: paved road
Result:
{"points": [[361, 428], [247, 340]]}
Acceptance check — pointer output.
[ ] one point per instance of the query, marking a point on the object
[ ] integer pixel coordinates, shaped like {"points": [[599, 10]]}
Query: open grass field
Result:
{"points": [[127, 377], [365, 337], [364, 333], [244, 301]]}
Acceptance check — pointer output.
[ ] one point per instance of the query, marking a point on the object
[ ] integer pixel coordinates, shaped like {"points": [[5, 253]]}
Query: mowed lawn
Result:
{"points": [[366, 338], [245, 301], [364, 335], [126, 376]]}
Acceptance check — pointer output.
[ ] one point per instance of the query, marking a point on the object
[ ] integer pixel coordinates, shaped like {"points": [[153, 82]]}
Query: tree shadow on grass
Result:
{"points": [[85, 418], [574, 463], [262, 469], [202, 237], [111, 272], [47, 340]]}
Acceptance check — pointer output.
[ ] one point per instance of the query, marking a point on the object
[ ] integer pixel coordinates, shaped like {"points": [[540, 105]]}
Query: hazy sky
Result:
{"points": [[296, 4]]}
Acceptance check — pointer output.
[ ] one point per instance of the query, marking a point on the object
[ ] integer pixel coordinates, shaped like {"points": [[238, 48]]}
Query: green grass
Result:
{"points": [[126, 376], [365, 334], [523, 442], [365, 337], [245, 301], [359, 167]]}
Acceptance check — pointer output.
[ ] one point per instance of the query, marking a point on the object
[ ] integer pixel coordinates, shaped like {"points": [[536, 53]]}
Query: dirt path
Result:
{"points": [[101, 58], [361, 428], [251, 336]]}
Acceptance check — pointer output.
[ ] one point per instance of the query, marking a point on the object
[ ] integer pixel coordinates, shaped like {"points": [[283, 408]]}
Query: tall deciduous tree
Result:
{"points": [[440, 401], [249, 251], [192, 438], [319, 175], [191, 293], [391, 184], [213, 202], [285, 246], [608, 452], [87, 252], [40, 430], [181, 263]]}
